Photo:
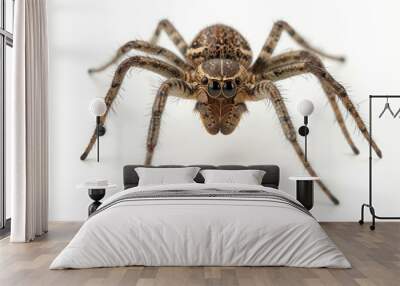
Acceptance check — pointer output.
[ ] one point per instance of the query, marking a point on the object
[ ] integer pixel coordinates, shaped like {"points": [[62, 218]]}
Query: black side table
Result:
{"points": [[305, 190], [96, 193]]}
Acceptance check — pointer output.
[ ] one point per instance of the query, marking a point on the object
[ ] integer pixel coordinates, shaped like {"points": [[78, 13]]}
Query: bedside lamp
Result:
{"points": [[98, 107], [305, 108]]}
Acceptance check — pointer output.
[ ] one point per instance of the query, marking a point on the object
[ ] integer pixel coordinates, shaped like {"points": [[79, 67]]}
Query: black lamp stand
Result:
{"points": [[305, 188], [100, 131], [304, 131]]}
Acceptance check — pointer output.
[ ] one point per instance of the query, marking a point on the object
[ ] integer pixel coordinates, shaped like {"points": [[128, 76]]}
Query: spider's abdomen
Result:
{"points": [[219, 42]]}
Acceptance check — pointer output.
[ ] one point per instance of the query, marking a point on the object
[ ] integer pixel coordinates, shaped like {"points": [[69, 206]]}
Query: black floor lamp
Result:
{"points": [[97, 107], [305, 184]]}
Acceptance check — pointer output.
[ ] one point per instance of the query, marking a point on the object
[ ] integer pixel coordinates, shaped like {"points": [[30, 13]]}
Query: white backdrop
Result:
{"points": [[84, 34]]}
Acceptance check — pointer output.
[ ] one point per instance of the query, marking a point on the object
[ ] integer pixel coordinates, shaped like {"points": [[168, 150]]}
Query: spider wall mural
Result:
{"points": [[217, 72]]}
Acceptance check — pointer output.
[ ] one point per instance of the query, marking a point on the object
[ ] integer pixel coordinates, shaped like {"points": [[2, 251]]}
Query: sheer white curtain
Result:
{"points": [[27, 122]]}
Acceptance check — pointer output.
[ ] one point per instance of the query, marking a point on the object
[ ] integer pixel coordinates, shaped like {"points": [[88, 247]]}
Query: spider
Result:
{"points": [[217, 72]]}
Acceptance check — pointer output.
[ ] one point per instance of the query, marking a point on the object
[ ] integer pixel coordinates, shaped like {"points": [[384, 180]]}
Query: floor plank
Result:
{"points": [[375, 257]]}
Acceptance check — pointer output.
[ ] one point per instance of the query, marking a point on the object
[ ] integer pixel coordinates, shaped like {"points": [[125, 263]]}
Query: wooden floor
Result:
{"points": [[375, 257]]}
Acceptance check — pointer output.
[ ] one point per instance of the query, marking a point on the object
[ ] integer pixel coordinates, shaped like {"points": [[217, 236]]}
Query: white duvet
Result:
{"points": [[193, 231]]}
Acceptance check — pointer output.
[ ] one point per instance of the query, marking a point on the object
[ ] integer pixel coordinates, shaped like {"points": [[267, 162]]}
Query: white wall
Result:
{"points": [[84, 34]]}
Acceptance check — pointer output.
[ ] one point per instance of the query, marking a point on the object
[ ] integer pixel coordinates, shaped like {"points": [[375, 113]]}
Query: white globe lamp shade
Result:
{"points": [[305, 107], [97, 107]]}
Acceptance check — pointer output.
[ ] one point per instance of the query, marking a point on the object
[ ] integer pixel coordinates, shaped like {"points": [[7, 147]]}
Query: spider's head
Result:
{"points": [[220, 89]]}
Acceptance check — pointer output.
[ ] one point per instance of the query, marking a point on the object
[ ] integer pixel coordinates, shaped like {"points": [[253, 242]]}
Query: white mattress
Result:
{"points": [[200, 231]]}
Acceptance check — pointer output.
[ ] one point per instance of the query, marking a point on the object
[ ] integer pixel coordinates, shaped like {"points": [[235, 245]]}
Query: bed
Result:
{"points": [[199, 224]]}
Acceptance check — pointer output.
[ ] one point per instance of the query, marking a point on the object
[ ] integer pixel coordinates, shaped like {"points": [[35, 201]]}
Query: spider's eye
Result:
{"points": [[237, 81], [204, 80], [214, 88], [229, 89]]}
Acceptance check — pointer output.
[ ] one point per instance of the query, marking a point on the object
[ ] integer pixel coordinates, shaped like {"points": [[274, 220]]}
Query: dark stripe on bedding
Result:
{"points": [[206, 194]]}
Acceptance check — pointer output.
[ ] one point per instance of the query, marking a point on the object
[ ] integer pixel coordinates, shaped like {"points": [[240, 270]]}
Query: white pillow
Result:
{"points": [[248, 177], [165, 176]]}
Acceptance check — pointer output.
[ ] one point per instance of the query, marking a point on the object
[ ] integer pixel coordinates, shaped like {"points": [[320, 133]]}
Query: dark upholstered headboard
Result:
{"points": [[271, 177]]}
